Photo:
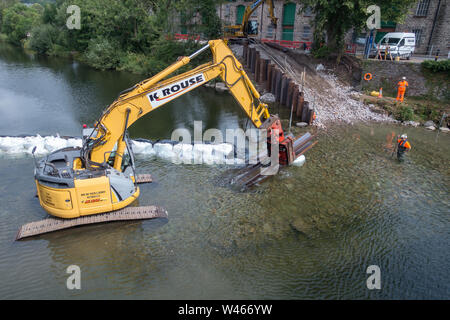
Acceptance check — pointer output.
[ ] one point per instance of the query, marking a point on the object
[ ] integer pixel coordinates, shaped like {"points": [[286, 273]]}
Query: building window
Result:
{"points": [[306, 32], [418, 33], [270, 31], [422, 8], [308, 12]]}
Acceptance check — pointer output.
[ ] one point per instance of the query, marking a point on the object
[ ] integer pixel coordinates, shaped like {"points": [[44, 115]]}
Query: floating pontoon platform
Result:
{"points": [[53, 224]]}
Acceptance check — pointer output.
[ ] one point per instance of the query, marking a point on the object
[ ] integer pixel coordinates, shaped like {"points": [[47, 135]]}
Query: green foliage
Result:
{"points": [[321, 52], [122, 34], [42, 38], [58, 51], [405, 113], [18, 20], [49, 14], [437, 66], [102, 53], [3, 5], [199, 17]]}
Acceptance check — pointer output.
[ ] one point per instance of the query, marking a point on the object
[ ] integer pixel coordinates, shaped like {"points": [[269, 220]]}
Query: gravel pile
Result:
{"points": [[335, 103]]}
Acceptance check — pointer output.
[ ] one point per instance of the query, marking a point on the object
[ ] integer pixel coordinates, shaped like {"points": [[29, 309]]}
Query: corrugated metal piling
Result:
{"points": [[287, 92]]}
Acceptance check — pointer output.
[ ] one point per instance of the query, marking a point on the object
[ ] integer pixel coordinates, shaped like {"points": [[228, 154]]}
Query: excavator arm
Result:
{"points": [[155, 92], [241, 30], [250, 9]]}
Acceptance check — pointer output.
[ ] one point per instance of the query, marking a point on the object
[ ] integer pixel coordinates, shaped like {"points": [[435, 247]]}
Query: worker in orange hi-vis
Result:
{"points": [[402, 147], [401, 89]]}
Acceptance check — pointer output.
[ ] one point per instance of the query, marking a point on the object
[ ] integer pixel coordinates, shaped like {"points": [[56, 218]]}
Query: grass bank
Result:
{"points": [[420, 109]]}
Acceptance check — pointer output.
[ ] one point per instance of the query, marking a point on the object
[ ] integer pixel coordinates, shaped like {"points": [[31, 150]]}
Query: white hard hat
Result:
{"points": [[404, 136], [404, 78]]}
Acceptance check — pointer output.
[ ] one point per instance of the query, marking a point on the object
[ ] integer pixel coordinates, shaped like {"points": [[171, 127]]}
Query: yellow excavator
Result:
{"points": [[249, 28], [100, 176]]}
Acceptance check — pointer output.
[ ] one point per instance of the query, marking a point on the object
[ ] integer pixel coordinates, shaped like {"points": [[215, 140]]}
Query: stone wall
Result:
{"points": [[424, 23], [386, 75]]}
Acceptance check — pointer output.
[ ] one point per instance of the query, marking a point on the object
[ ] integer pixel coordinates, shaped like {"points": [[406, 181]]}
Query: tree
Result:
{"points": [[200, 16], [43, 37], [19, 19], [334, 18], [3, 5]]}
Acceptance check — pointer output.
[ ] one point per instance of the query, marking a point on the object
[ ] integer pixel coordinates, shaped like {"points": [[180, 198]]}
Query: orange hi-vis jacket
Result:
{"points": [[402, 85], [403, 144]]}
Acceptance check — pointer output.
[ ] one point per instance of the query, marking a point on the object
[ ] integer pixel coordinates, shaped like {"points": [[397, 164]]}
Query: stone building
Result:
{"points": [[430, 21], [292, 25]]}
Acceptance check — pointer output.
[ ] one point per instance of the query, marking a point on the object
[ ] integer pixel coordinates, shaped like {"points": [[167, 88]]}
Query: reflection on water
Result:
{"points": [[309, 232]]}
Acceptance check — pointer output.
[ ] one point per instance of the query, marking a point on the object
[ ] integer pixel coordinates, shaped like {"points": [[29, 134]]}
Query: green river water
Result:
{"points": [[308, 233]]}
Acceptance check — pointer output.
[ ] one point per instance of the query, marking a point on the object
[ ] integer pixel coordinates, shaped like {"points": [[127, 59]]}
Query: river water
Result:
{"points": [[310, 232]]}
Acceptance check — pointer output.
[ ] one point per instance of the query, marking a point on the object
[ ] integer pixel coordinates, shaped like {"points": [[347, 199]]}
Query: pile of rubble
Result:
{"points": [[332, 101], [336, 103]]}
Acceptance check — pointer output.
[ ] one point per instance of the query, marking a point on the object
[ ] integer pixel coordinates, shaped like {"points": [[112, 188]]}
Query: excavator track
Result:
{"points": [[53, 224]]}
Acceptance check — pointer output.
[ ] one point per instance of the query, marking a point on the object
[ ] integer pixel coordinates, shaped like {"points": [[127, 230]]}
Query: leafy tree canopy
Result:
{"points": [[336, 17]]}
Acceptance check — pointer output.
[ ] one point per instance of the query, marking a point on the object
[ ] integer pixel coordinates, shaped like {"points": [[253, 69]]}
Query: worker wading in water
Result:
{"points": [[402, 147], [401, 89]]}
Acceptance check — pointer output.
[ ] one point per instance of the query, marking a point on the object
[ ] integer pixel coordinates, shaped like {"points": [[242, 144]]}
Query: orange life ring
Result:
{"points": [[368, 76]]}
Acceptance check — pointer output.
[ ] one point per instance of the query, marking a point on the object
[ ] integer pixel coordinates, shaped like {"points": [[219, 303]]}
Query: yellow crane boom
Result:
{"points": [[153, 93]]}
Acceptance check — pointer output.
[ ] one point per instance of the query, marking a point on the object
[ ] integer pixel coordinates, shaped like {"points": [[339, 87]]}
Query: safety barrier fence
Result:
{"points": [[180, 36]]}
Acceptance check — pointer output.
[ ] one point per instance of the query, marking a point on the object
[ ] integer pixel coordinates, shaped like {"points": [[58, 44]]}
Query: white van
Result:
{"points": [[400, 44]]}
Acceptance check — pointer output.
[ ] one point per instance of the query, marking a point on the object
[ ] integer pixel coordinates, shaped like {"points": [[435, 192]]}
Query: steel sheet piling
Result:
{"points": [[245, 52], [257, 67], [269, 77], [300, 102], [253, 60], [295, 94], [305, 112], [278, 84], [284, 88]]}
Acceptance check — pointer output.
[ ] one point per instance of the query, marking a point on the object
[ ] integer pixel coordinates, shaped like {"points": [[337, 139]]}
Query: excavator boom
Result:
{"points": [[245, 29]]}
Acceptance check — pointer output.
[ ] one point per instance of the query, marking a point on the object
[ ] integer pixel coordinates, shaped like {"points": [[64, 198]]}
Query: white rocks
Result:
{"points": [[299, 161], [320, 67], [429, 123], [301, 124], [411, 123], [337, 104], [267, 98], [221, 87], [444, 129], [432, 128]]}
